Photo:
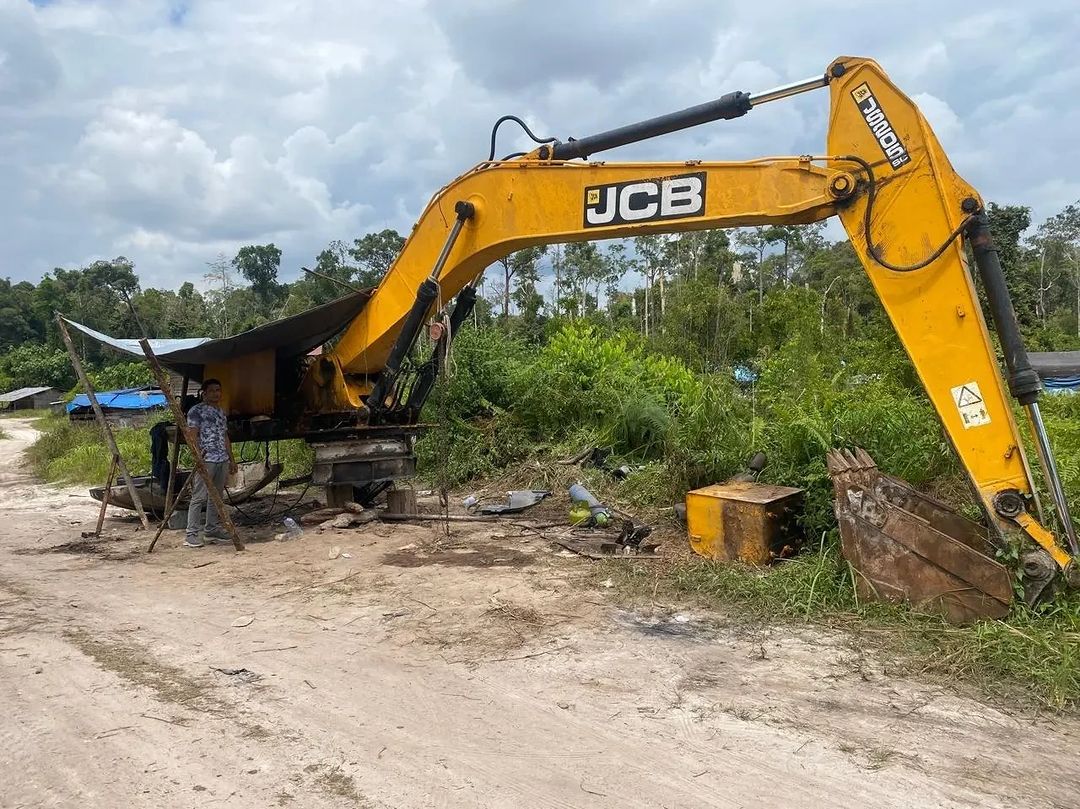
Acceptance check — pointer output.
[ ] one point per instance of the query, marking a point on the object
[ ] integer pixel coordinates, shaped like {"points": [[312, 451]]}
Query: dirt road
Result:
{"points": [[417, 670]]}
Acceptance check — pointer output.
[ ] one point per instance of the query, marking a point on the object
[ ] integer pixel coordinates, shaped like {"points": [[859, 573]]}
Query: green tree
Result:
{"points": [[259, 264], [1007, 225], [1058, 241], [375, 252], [583, 265], [523, 266], [526, 295], [190, 318], [17, 321], [34, 365], [654, 254]]}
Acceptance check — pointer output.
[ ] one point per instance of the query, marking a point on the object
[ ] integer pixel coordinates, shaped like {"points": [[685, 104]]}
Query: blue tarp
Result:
{"points": [[744, 375], [1059, 370], [1062, 384], [129, 399]]}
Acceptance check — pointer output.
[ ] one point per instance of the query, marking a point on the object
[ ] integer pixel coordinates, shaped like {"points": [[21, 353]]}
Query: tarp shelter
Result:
{"points": [[146, 398], [246, 363], [28, 398], [1059, 370]]}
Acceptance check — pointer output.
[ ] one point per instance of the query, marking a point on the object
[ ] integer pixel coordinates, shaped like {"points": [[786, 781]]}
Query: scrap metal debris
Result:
{"points": [[516, 502], [243, 675]]}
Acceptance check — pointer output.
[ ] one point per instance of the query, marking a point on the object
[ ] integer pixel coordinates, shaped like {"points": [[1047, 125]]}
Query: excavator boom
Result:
{"points": [[909, 217]]}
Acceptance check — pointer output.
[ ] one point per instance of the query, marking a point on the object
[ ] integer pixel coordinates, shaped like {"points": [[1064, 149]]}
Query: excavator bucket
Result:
{"points": [[905, 546]]}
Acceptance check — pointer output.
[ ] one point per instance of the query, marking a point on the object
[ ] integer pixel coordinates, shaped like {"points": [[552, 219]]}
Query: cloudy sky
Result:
{"points": [[170, 131]]}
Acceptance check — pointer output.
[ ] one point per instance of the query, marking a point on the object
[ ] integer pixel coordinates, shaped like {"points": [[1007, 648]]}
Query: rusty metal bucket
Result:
{"points": [[905, 546]]}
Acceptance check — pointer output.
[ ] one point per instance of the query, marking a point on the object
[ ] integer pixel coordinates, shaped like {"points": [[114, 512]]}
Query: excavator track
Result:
{"points": [[904, 546]]}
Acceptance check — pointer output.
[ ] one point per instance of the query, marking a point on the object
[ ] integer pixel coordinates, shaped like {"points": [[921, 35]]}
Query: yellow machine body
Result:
{"points": [[883, 173]]}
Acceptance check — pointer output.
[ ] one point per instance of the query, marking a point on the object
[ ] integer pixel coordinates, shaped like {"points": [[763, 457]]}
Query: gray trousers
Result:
{"points": [[200, 499]]}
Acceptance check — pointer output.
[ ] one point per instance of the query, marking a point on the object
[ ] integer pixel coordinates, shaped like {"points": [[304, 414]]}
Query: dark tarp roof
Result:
{"points": [[1052, 364], [290, 337]]}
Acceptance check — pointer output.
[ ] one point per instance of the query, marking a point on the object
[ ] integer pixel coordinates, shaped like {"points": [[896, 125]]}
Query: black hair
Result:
{"points": [[207, 383]]}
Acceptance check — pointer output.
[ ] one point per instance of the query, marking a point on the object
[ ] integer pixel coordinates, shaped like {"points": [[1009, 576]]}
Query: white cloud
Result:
{"points": [[28, 69], [171, 131], [946, 124]]}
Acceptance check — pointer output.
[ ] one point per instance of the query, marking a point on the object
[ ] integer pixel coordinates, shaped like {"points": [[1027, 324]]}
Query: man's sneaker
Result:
{"points": [[193, 542], [218, 538]]}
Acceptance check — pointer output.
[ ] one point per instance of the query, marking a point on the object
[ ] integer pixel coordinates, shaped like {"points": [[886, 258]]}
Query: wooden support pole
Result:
{"points": [[102, 423], [401, 501], [169, 512], [174, 455], [193, 446], [105, 497]]}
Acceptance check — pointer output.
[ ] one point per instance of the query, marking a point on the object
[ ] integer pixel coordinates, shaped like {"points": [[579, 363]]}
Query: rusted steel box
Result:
{"points": [[744, 521]]}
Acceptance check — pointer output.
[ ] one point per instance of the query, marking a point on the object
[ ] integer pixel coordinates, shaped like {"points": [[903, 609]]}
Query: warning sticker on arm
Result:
{"points": [[969, 403]]}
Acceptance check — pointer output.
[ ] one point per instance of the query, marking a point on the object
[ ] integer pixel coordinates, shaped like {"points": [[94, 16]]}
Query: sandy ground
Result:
{"points": [[420, 670]]}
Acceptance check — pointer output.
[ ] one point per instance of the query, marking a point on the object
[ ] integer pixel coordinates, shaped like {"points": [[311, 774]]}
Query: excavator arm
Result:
{"points": [[907, 213]]}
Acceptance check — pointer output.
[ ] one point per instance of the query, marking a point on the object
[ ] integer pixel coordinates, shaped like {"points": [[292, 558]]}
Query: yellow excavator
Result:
{"points": [[911, 220]]}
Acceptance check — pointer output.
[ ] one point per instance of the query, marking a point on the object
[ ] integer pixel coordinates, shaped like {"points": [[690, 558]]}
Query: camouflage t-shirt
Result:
{"points": [[213, 427]]}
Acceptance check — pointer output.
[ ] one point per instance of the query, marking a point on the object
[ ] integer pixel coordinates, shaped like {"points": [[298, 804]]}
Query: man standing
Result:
{"points": [[211, 435]]}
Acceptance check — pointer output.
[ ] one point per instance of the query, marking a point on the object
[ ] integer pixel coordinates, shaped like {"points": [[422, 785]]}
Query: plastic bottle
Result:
{"points": [[292, 530], [598, 514]]}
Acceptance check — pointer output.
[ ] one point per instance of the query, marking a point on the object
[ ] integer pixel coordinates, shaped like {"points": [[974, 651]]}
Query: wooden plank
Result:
{"points": [[174, 455], [105, 497], [401, 501], [168, 513], [102, 423]]}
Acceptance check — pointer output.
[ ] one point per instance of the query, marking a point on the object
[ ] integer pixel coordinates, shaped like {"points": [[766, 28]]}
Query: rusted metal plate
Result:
{"points": [[904, 546]]}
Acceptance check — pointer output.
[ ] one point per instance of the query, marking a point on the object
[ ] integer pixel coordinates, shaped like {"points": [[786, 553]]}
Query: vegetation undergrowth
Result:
{"points": [[683, 355], [511, 410], [76, 453]]}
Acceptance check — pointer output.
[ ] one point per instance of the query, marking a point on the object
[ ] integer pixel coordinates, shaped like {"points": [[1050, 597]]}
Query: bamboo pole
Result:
{"points": [[169, 511], [100, 416], [196, 452], [105, 497], [174, 455]]}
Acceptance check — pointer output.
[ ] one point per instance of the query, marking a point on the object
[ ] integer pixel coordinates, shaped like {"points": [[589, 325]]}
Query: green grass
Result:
{"points": [[3, 434], [1032, 658], [77, 453], [23, 414]]}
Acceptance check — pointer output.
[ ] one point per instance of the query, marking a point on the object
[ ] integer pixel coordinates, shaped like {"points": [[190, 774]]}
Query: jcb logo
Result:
{"points": [[645, 200], [895, 151]]}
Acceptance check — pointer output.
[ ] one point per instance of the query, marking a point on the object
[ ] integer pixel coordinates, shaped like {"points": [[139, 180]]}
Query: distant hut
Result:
{"points": [[28, 399]]}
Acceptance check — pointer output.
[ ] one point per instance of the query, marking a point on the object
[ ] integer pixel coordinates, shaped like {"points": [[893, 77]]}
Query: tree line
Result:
{"points": [[697, 296]]}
